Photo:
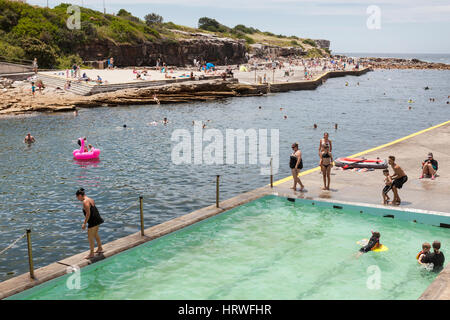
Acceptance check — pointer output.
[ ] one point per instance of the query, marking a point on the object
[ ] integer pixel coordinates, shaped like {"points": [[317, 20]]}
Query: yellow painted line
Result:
{"points": [[367, 151]]}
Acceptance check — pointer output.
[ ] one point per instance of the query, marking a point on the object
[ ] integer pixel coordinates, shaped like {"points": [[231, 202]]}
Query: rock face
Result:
{"points": [[261, 50], [398, 63], [322, 43], [175, 53]]}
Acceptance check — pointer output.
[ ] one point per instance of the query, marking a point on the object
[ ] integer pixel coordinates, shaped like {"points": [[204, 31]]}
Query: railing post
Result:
{"points": [[30, 254], [142, 214], [217, 191], [271, 173]]}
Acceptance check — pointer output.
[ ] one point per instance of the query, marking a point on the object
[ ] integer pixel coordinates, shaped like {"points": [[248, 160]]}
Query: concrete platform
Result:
{"points": [[365, 187]]}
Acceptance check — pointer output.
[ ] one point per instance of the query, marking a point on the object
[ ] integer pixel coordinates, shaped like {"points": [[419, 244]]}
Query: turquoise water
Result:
{"points": [[267, 249]]}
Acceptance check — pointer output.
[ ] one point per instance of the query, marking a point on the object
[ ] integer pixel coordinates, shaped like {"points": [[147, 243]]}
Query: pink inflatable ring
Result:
{"points": [[79, 154]]}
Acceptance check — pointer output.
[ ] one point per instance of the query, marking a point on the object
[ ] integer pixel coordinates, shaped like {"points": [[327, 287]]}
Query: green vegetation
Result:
{"points": [[27, 32], [310, 42], [314, 53], [153, 18]]}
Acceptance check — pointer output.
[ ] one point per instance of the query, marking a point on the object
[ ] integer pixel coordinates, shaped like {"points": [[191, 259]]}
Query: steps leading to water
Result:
{"points": [[75, 86], [86, 89]]}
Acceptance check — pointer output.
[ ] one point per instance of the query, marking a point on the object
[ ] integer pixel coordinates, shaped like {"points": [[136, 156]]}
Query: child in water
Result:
{"points": [[387, 186], [426, 247], [374, 243]]}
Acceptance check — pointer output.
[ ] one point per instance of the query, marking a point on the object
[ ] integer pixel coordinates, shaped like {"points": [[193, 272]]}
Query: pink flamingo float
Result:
{"points": [[79, 154]]}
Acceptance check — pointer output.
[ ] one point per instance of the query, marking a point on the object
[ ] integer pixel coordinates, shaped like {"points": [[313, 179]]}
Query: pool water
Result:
{"points": [[270, 248]]}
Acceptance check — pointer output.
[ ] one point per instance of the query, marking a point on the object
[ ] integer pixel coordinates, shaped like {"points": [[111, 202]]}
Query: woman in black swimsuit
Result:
{"points": [[93, 221], [296, 164], [326, 162]]}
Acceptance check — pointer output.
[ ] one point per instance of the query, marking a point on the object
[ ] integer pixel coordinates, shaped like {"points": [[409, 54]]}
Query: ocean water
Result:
{"points": [[39, 181], [267, 249], [428, 57]]}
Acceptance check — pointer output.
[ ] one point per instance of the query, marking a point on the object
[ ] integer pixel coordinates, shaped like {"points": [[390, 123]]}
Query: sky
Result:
{"points": [[356, 26]]}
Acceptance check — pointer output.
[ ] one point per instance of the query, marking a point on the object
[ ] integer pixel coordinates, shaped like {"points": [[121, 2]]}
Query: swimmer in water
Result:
{"points": [[124, 125], [29, 139], [165, 121], [315, 126], [374, 243], [426, 247]]}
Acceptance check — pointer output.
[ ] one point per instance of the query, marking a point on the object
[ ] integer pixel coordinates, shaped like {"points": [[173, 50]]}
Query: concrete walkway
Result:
{"points": [[365, 187]]}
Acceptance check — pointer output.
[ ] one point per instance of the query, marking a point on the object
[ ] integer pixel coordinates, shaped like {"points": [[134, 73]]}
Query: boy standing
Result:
{"points": [[399, 178], [387, 186]]}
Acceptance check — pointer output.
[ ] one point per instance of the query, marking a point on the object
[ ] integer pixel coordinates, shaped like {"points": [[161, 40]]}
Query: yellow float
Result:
{"points": [[380, 248]]}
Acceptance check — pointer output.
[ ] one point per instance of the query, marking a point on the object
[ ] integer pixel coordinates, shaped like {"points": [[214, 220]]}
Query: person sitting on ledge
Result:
{"points": [[429, 167]]}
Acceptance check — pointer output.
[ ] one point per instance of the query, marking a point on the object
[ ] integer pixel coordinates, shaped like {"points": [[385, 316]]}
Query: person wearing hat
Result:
{"points": [[429, 167]]}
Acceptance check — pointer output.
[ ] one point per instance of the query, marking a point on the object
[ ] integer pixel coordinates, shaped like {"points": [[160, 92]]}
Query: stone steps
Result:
{"points": [[85, 89], [75, 86]]}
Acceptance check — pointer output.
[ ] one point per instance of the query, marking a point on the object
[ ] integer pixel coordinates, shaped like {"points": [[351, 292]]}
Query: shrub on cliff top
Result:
{"points": [[314, 53], [127, 15], [153, 18], [242, 28], [310, 42], [212, 25]]}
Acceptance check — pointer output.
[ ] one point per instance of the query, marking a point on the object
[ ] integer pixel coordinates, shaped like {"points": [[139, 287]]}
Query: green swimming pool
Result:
{"points": [[270, 248]]}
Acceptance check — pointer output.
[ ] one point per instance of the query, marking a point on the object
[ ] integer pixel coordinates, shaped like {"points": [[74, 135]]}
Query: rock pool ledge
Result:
{"points": [[20, 101]]}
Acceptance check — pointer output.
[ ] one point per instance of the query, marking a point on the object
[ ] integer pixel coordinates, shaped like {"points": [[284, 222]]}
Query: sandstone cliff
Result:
{"points": [[175, 53]]}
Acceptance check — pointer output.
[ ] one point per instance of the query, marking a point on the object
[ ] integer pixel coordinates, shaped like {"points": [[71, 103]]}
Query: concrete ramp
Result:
{"points": [[9, 68]]}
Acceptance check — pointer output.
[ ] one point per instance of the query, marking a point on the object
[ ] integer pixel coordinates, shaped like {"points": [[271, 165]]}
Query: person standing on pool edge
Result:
{"points": [[325, 142], [296, 164], [399, 178], [326, 162], [93, 221]]}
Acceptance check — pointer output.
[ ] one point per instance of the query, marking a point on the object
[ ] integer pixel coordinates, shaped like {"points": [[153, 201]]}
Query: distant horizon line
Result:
{"points": [[342, 52]]}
